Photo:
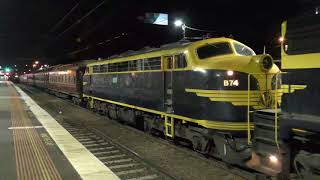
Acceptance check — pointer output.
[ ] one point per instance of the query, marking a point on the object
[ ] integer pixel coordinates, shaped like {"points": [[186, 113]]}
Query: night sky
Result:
{"points": [[64, 31]]}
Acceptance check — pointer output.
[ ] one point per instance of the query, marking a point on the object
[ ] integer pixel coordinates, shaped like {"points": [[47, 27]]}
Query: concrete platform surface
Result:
{"points": [[34, 146]]}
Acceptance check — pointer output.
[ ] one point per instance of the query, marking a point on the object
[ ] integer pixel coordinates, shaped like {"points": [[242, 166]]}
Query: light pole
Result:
{"points": [[180, 23]]}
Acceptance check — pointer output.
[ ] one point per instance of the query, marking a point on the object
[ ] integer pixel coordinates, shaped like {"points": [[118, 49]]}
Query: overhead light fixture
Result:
{"points": [[178, 23]]}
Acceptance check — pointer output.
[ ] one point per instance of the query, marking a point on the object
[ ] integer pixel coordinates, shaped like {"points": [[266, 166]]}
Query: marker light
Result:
{"points": [[273, 159], [230, 73]]}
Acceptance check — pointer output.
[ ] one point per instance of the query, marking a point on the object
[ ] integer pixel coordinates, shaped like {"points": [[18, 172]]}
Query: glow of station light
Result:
{"points": [[64, 72], [34, 65], [200, 70], [178, 23], [61, 72], [281, 39], [37, 62]]}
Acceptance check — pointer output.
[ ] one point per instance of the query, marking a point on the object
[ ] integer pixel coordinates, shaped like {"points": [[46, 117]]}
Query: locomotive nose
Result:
{"points": [[266, 62]]}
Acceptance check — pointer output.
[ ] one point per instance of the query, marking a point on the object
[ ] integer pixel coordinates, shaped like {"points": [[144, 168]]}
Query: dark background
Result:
{"points": [[34, 30]]}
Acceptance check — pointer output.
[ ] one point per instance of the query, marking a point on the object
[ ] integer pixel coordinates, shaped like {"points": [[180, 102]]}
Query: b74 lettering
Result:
{"points": [[230, 82]]}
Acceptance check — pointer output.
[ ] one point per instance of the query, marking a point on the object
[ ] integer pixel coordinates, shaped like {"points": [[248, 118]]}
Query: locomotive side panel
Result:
{"points": [[308, 95], [138, 89], [195, 95]]}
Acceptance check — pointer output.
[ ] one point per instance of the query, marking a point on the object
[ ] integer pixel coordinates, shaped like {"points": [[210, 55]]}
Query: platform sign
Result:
{"points": [[156, 18]]}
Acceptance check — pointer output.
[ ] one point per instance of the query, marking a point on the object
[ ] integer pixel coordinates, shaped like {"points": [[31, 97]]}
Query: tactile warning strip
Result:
{"points": [[32, 158]]}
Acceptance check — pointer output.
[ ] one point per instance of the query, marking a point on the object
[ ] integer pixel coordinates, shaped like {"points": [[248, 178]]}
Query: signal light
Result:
{"points": [[7, 69]]}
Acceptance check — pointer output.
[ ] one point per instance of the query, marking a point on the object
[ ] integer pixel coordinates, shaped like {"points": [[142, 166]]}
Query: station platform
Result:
{"points": [[34, 146]]}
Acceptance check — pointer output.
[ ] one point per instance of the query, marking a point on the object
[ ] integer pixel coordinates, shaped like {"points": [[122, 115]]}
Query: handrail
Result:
{"points": [[276, 118], [248, 105], [248, 112], [276, 112]]}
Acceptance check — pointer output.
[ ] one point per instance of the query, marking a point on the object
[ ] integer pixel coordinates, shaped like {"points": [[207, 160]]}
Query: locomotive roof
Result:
{"points": [[150, 51], [66, 66]]}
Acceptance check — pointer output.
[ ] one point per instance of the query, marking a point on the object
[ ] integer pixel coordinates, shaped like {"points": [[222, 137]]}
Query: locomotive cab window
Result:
{"points": [[215, 49], [243, 50]]}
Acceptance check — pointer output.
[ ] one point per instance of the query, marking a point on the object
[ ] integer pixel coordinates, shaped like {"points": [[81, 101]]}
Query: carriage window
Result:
{"points": [[96, 69], [169, 63], [243, 50], [152, 63], [140, 65], [215, 49], [104, 68], [133, 65], [180, 61], [123, 66], [113, 67]]}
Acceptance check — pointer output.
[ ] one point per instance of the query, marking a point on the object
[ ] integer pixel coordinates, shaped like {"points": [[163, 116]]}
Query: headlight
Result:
{"points": [[266, 62], [230, 73], [273, 159]]}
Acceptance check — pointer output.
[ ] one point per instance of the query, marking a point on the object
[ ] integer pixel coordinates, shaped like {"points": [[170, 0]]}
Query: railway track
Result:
{"points": [[129, 165], [126, 164]]}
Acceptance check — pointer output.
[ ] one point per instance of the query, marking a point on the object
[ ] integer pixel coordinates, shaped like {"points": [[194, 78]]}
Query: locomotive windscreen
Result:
{"points": [[215, 49]]}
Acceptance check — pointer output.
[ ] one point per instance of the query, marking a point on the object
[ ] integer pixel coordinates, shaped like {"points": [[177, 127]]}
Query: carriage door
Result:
{"points": [[168, 82]]}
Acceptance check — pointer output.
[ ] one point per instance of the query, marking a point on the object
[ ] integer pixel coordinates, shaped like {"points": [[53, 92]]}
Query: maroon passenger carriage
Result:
{"points": [[61, 80]]}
